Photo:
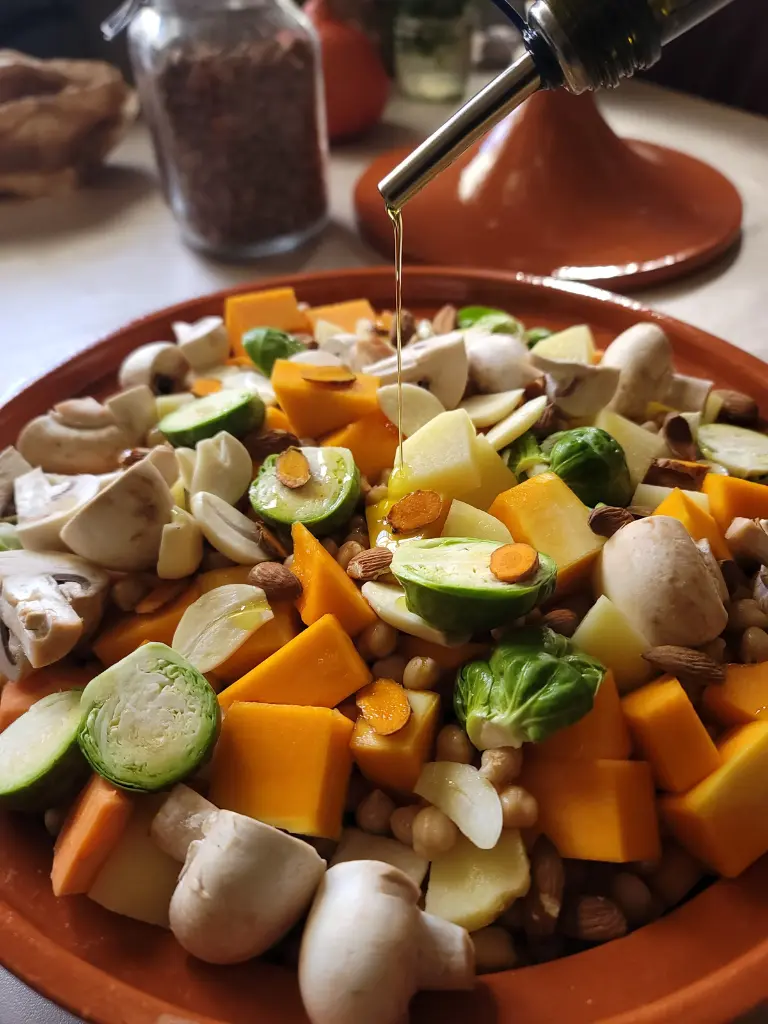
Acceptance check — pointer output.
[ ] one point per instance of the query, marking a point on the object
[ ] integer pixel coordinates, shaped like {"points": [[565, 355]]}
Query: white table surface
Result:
{"points": [[75, 267]]}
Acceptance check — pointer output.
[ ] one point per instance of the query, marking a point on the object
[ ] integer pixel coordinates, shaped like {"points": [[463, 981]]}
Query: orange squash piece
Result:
{"points": [[395, 762], [319, 667], [731, 498], [92, 829], [275, 419], [16, 698], [372, 441], [276, 308], [343, 314], [600, 735], [286, 766], [318, 409], [699, 524], [129, 632], [670, 735], [545, 513], [266, 641], [595, 810], [741, 699], [722, 821], [326, 587]]}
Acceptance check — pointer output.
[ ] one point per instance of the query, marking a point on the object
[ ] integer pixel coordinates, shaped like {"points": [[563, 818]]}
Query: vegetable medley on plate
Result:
{"points": [[273, 686]]}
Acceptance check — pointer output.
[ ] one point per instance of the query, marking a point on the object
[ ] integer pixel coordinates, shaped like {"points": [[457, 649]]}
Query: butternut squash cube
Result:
{"points": [[372, 441], [317, 409], [545, 513], [326, 588], [276, 308], [319, 667], [275, 419], [607, 635], [286, 766], [722, 821], [382, 535], [595, 810], [345, 315], [602, 734], [700, 525], [731, 498], [130, 631], [394, 762], [741, 699], [266, 641], [670, 735]]}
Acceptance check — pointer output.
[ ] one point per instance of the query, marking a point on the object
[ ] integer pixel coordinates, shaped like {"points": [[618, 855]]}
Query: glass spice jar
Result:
{"points": [[232, 92]]}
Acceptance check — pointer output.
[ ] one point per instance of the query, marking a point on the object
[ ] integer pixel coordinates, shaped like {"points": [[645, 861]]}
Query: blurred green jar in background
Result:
{"points": [[433, 48]]}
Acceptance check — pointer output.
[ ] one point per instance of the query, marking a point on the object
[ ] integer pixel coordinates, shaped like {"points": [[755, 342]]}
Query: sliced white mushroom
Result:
{"points": [[229, 531], [12, 465], [580, 390], [83, 585], [121, 528], [160, 365], [643, 355], [325, 331], [164, 459], [244, 380], [390, 605], [242, 888], [186, 457], [184, 817], [59, 447], [83, 414], [419, 406], [45, 504], [204, 343], [219, 622], [517, 423], [687, 394], [357, 845], [222, 467], [34, 609], [181, 547], [439, 364], [339, 344], [488, 410], [317, 357], [498, 362], [135, 410]]}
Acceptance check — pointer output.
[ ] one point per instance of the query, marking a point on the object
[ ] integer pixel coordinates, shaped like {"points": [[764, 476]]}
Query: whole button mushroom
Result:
{"points": [[643, 354], [654, 573], [368, 949], [78, 436], [161, 365]]}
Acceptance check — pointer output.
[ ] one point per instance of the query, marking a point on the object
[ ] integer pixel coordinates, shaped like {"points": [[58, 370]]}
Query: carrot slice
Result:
{"points": [[415, 511], [91, 831], [514, 563], [204, 386], [384, 705]]}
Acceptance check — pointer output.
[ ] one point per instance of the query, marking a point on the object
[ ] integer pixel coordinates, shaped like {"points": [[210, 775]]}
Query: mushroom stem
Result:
{"points": [[444, 956]]}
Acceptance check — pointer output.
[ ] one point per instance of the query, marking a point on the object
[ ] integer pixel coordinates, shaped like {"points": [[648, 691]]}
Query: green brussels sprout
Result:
{"points": [[9, 537], [265, 345], [534, 684], [495, 321], [593, 465], [536, 334], [524, 455]]}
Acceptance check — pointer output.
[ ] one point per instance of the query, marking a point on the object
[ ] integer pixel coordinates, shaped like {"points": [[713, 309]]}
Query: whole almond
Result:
{"points": [[445, 320], [594, 919], [273, 442], [608, 520], [676, 473], [679, 437], [277, 581], [686, 664], [370, 565], [737, 408], [407, 327], [544, 901], [562, 620]]}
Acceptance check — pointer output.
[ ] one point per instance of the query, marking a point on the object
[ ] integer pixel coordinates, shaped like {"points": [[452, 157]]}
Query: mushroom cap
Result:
{"points": [[242, 888], [160, 365], [439, 364], [45, 504], [581, 390], [656, 576], [643, 354], [58, 448], [498, 362]]}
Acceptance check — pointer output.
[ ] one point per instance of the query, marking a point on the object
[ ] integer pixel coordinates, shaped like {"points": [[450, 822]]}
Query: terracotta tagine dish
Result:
{"points": [[553, 190]]}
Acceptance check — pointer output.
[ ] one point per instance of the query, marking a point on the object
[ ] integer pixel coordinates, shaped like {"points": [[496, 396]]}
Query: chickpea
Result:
{"points": [[361, 538], [376, 494], [348, 550], [331, 546], [519, 807], [746, 613], [501, 766], [385, 476], [453, 745], [401, 823], [754, 646], [421, 674], [357, 524], [378, 640], [392, 667], [433, 833], [633, 898], [373, 813], [494, 950]]}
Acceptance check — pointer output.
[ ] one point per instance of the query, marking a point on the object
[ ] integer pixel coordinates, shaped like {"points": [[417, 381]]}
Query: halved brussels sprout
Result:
{"points": [[593, 465]]}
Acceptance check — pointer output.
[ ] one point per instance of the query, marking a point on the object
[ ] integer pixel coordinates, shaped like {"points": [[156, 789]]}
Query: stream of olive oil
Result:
{"points": [[396, 216]]}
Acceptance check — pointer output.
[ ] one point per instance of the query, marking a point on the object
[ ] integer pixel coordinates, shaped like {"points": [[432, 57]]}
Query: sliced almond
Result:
{"points": [[415, 511], [370, 565], [337, 376], [293, 469], [445, 320], [514, 563]]}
